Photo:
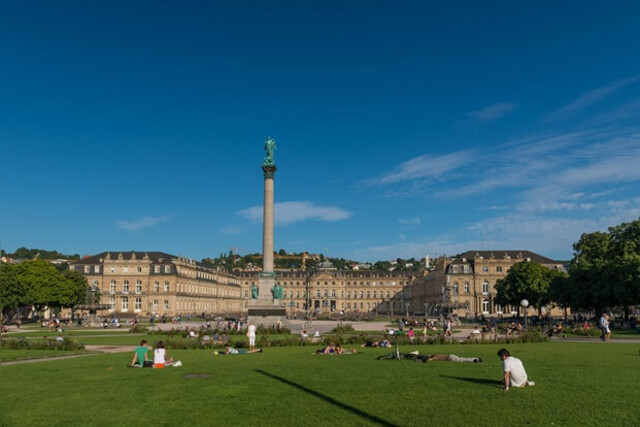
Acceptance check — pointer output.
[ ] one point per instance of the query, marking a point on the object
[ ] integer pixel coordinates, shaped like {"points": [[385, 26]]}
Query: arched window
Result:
{"points": [[125, 303], [466, 287], [485, 305], [138, 305], [125, 287], [112, 287], [456, 288], [138, 287], [485, 287]]}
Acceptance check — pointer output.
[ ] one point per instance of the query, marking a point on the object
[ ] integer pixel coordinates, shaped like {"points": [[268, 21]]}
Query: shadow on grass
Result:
{"points": [[481, 381], [330, 400]]}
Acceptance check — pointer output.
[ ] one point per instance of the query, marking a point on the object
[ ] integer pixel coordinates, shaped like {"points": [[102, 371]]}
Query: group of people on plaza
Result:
{"points": [[514, 374]]}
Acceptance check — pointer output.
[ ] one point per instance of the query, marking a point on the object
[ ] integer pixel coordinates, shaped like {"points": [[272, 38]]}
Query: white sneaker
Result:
{"points": [[531, 383], [178, 363]]}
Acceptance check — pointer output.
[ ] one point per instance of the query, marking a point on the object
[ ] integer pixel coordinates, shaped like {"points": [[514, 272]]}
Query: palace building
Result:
{"points": [[327, 290], [465, 285], [155, 283]]}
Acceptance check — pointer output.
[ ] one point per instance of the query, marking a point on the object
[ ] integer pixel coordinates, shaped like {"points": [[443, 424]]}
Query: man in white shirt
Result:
{"points": [[514, 373], [251, 334]]}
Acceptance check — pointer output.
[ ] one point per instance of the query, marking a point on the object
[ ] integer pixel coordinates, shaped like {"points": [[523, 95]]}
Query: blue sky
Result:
{"points": [[403, 128]]}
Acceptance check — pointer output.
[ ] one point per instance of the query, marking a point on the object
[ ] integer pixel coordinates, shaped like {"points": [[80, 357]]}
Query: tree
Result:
{"points": [[589, 273], [11, 291], [525, 280], [624, 258], [43, 285], [75, 288]]}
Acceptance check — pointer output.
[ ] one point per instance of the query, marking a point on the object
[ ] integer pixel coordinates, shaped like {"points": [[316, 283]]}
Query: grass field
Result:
{"points": [[576, 384], [10, 355]]}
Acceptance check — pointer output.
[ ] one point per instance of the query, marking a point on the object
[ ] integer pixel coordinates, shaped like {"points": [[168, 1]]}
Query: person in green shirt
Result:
{"points": [[140, 354]]}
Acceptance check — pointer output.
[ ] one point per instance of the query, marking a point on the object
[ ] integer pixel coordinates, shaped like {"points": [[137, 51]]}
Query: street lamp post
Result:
{"points": [[406, 306], [524, 303]]}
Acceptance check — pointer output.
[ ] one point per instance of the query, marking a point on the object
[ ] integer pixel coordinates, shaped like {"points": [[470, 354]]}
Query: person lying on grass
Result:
{"points": [[429, 357], [381, 343], [330, 349], [231, 350]]}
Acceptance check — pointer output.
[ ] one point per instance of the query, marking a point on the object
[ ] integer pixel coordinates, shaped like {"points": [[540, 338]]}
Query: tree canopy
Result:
{"points": [[39, 284], [526, 280]]}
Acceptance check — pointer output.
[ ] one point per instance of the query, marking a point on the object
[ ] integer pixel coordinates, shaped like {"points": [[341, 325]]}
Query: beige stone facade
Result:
{"points": [[146, 283], [468, 283], [327, 291]]}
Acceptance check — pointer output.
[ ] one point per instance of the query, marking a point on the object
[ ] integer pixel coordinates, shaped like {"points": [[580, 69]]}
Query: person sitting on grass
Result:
{"points": [[231, 350], [160, 356], [140, 357], [514, 373]]}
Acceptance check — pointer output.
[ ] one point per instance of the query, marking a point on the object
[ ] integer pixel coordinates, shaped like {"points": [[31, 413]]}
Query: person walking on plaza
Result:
{"points": [[514, 373], [603, 324], [251, 334]]}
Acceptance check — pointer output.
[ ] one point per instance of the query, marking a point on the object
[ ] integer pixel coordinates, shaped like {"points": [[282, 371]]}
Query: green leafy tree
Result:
{"points": [[74, 290], [624, 258], [590, 273], [11, 290], [43, 285], [525, 280]]}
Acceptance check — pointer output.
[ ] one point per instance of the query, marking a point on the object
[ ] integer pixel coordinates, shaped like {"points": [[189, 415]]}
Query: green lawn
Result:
{"points": [[9, 355], [577, 384]]}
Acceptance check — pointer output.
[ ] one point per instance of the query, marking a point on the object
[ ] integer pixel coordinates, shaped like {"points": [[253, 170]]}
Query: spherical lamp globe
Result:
{"points": [[524, 303]]}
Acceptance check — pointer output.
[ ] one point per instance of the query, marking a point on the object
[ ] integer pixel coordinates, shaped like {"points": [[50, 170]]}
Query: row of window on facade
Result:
{"points": [[333, 294], [467, 269], [334, 283], [124, 304], [125, 269], [113, 287], [467, 287], [497, 308]]}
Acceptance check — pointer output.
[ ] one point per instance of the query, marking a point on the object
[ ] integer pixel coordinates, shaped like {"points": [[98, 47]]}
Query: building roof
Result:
{"points": [[501, 254], [154, 257]]}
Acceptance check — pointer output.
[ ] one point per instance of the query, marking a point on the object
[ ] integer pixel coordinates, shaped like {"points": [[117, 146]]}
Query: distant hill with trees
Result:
{"points": [[285, 260], [31, 254]]}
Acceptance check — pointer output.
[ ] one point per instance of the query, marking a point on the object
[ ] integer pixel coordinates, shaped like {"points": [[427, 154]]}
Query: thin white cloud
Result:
{"points": [[291, 212], [426, 167], [592, 97], [409, 222], [492, 112], [141, 224], [233, 229]]}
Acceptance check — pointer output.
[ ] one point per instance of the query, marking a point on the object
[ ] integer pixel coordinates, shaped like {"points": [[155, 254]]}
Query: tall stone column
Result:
{"points": [[267, 226], [268, 307]]}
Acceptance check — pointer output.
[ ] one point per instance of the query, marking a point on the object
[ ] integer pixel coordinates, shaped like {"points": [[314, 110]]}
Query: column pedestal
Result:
{"points": [[265, 310]]}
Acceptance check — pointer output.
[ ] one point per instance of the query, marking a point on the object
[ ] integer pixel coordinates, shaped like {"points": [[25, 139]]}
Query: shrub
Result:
{"points": [[591, 332], [49, 344], [138, 329], [342, 329]]}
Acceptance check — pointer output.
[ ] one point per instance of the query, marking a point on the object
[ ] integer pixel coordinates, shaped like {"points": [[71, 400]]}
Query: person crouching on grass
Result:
{"points": [[514, 373]]}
